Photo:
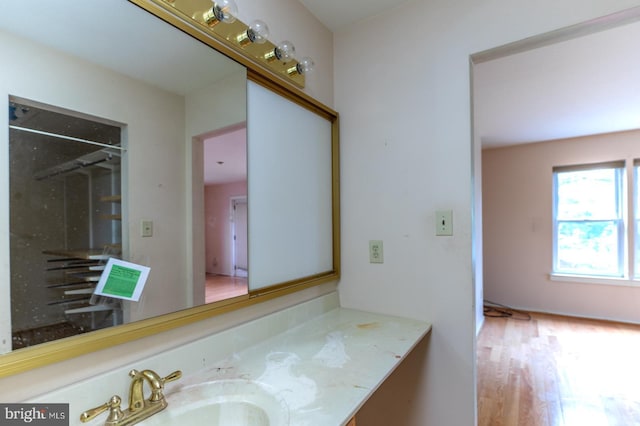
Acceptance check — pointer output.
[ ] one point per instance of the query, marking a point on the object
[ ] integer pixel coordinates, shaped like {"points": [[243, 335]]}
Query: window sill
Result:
{"points": [[584, 279]]}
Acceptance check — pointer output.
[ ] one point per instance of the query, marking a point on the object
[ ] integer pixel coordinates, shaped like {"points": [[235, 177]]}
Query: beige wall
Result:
{"points": [[517, 205]]}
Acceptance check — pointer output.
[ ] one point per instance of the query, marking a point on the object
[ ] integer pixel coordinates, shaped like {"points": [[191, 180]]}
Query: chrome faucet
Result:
{"points": [[139, 408]]}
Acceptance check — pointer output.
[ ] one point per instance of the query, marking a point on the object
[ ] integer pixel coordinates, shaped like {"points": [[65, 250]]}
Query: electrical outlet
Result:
{"points": [[444, 223], [375, 251]]}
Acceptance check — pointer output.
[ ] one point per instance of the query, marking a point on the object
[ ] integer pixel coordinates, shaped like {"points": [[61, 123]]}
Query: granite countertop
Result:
{"points": [[324, 369]]}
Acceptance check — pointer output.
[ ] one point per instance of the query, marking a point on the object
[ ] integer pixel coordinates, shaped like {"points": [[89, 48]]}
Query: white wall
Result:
{"points": [[518, 196], [402, 89]]}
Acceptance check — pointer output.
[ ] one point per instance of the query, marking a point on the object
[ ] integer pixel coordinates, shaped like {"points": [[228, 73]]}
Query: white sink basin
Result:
{"points": [[224, 403]]}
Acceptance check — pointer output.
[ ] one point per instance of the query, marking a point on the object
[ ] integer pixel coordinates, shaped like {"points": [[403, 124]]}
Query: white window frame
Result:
{"points": [[620, 222]]}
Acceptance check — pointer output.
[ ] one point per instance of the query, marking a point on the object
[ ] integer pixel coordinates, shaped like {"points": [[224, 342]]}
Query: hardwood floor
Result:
{"points": [[558, 371], [220, 287]]}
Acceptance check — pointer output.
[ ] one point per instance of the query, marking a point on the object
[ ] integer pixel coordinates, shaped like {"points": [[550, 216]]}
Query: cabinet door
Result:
{"points": [[352, 422]]}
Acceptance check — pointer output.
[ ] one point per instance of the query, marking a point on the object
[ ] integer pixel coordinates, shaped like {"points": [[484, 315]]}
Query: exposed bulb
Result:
{"points": [[258, 31], [305, 65], [221, 11], [285, 51]]}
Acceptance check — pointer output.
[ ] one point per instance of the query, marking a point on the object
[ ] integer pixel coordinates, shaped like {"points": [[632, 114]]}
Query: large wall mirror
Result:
{"points": [[141, 141]]}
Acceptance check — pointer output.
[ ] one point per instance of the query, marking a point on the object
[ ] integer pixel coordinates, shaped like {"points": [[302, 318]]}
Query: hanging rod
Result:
{"points": [[71, 138], [87, 160]]}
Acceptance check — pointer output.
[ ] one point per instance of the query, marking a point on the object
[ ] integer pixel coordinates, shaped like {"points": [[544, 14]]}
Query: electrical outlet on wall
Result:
{"points": [[375, 251]]}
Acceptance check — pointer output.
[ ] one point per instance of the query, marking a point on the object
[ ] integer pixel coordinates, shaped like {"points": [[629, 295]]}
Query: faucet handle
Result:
{"points": [[171, 377], [113, 405]]}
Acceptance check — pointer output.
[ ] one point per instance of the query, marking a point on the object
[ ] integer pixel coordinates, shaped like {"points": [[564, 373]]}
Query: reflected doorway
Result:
{"points": [[65, 220], [225, 210]]}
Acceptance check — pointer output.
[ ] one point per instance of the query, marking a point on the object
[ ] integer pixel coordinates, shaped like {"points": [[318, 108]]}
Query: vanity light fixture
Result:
{"points": [[249, 41], [257, 32], [222, 11]]}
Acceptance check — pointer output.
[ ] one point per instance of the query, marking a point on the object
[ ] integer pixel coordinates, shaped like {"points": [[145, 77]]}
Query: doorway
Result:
{"points": [[491, 126], [225, 213], [65, 219], [545, 95]]}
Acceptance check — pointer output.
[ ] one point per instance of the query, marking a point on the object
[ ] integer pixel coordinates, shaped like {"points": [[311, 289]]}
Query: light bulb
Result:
{"points": [[221, 11], [285, 51], [305, 65], [225, 10], [258, 32]]}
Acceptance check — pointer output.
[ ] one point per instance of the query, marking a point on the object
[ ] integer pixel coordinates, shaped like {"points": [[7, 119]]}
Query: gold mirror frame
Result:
{"points": [[51, 352]]}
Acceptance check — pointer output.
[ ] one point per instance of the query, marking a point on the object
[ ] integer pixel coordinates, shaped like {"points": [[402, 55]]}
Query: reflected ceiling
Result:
{"points": [[122, 51], [225, 157]]}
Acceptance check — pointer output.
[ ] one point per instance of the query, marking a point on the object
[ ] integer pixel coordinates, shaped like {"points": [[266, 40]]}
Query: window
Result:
{"points": [[589, 228]]}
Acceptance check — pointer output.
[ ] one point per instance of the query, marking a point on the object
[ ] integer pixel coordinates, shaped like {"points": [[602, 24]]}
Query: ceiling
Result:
{"points": [[225, 157], [130, 33], [584, 86], [588, 85], [337, 14]]}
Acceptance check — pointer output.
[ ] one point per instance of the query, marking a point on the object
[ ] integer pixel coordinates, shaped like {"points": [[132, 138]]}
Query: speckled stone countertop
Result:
{"points": [[324, 368], [320, 362]]}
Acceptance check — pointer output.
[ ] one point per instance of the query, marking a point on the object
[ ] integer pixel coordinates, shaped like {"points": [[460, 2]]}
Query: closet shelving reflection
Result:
{"points": [[74, 274], [75, 167]]}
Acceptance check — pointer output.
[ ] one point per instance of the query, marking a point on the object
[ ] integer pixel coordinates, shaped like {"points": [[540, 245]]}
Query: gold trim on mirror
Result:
{"points": [[56, 351]]}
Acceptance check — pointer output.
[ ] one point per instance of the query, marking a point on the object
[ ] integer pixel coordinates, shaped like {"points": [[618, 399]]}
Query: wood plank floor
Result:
{"points": [[220, 287], [558, 371]]}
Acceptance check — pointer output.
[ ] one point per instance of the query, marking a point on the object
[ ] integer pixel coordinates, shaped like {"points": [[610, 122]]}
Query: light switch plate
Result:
{"points": [[444, 223], [146, 228]]}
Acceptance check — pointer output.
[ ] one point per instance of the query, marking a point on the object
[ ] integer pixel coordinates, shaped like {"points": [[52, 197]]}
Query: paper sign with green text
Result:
{"points": [[122, 280]]}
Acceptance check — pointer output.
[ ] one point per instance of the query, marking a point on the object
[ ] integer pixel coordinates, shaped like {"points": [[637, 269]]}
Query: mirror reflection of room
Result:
{"points": [[196, 92], [225, 205], [97, 82], [65, 220]]}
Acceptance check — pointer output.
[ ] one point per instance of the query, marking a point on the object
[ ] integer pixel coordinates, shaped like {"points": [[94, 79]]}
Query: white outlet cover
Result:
{"points": [[376, 252]]}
